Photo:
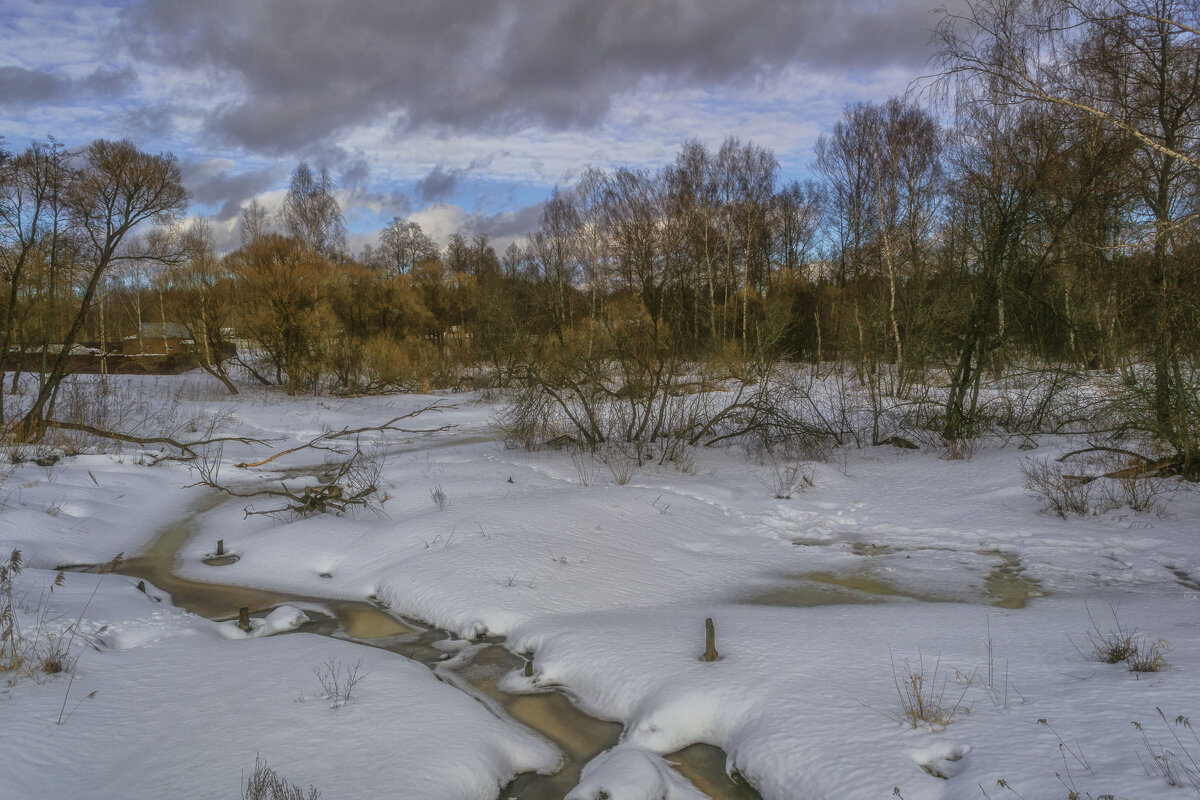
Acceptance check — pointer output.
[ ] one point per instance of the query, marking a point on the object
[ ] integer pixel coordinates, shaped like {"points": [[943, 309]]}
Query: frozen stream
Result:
{"points": [[475, 667]]}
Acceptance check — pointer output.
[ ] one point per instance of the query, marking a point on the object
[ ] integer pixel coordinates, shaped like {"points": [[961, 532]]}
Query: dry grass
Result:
{"points": [[1175, 762], [438, 496], [1148, 656], [922, 695], [36, 651], [1122, 644]]}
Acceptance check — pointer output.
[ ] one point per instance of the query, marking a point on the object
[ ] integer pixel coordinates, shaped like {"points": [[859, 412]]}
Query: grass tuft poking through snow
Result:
{"points": [[1174, 762], [1121, 644], [922, 695]]}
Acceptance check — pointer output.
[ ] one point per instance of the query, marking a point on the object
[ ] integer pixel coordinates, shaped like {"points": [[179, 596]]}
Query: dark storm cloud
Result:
{"points": [[439, 184], [356, 173], [20, 87], [215, 184], [505, 224], [310, 67]]}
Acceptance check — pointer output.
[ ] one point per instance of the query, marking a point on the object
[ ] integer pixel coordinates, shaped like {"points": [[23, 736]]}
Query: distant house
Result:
{"points": [[158, 339]]}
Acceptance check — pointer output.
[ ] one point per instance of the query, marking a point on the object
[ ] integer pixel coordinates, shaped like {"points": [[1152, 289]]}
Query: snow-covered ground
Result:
{"points": [[895, 563]]}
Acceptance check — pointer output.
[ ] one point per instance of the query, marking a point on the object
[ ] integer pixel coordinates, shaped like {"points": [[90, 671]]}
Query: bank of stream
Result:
{"points": [[475, 667]]}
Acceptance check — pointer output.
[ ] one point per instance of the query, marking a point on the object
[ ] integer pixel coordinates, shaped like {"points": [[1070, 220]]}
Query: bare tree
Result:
{"points": [[795, 219], [253, 222], [115, 189], [311, 214], [204, 282], [402, 246], [556, 248], [1134, 65]]}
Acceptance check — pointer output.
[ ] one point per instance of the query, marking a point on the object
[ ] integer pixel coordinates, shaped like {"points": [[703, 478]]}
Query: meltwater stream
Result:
{"points": [[475, 667]]}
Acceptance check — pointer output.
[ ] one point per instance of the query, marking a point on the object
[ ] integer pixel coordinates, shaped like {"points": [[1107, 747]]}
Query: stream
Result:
{"points": [[475, 667]]}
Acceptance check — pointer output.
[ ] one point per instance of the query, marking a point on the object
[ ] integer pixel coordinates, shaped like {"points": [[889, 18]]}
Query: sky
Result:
{"points": [[462, 115]]}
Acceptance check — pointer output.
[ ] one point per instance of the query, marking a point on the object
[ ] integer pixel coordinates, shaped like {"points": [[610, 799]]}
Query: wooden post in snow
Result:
{"points": [[710, 640]]}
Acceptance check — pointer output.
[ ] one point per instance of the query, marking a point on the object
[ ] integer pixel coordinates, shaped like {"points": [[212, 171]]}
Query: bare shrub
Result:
{"points": [[1043, 399], [266, 784], [1107, 479], [338, 679], [677, 451], [784, 477], [586, 467], [1144, 494], [621, 464], [1063, 494], [963, 449]]}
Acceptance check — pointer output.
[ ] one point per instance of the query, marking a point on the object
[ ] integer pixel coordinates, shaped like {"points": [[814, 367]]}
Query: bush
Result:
{"points": [[266, 784], [1064, 494]]}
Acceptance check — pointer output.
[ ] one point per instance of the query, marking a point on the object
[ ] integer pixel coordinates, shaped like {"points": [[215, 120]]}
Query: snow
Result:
{"points": [[282, 619], [895, 562], [181, 710]]}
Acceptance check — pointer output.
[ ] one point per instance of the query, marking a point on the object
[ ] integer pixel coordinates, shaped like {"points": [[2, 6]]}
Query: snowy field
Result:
{"points": [[896, 566]]}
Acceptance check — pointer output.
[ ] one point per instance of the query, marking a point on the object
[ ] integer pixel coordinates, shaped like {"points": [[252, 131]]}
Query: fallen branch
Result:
{"points": [[352, 482], [1146, 468], [1105, 449], [188, 450], [317, 443]]}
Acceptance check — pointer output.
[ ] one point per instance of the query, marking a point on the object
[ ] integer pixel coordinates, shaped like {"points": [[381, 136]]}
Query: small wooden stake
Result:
{"points": [[244, 619], [141, 587], [529, 669], [710, 640], [220, 547]]}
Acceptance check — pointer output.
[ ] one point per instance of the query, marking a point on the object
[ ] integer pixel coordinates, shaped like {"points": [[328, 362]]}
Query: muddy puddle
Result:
{"points": [[1004, 585], [475, 667]]}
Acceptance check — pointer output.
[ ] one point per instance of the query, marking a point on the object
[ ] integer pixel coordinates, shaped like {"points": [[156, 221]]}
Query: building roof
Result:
{"points": [[160, 330]]}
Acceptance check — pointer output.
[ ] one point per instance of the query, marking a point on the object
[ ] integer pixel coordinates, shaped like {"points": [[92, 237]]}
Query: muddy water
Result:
{"points": [[1006, 585], [704, 766], [474, 667]]}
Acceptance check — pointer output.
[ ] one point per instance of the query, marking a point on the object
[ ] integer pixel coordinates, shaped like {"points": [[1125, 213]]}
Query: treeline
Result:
{"points": [[1042, 210]]}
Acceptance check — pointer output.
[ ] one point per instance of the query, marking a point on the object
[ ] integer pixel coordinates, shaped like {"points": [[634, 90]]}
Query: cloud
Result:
{"points": [[22, 87], [440, 220], [439, 184], [308, 68], [218, 183]]}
